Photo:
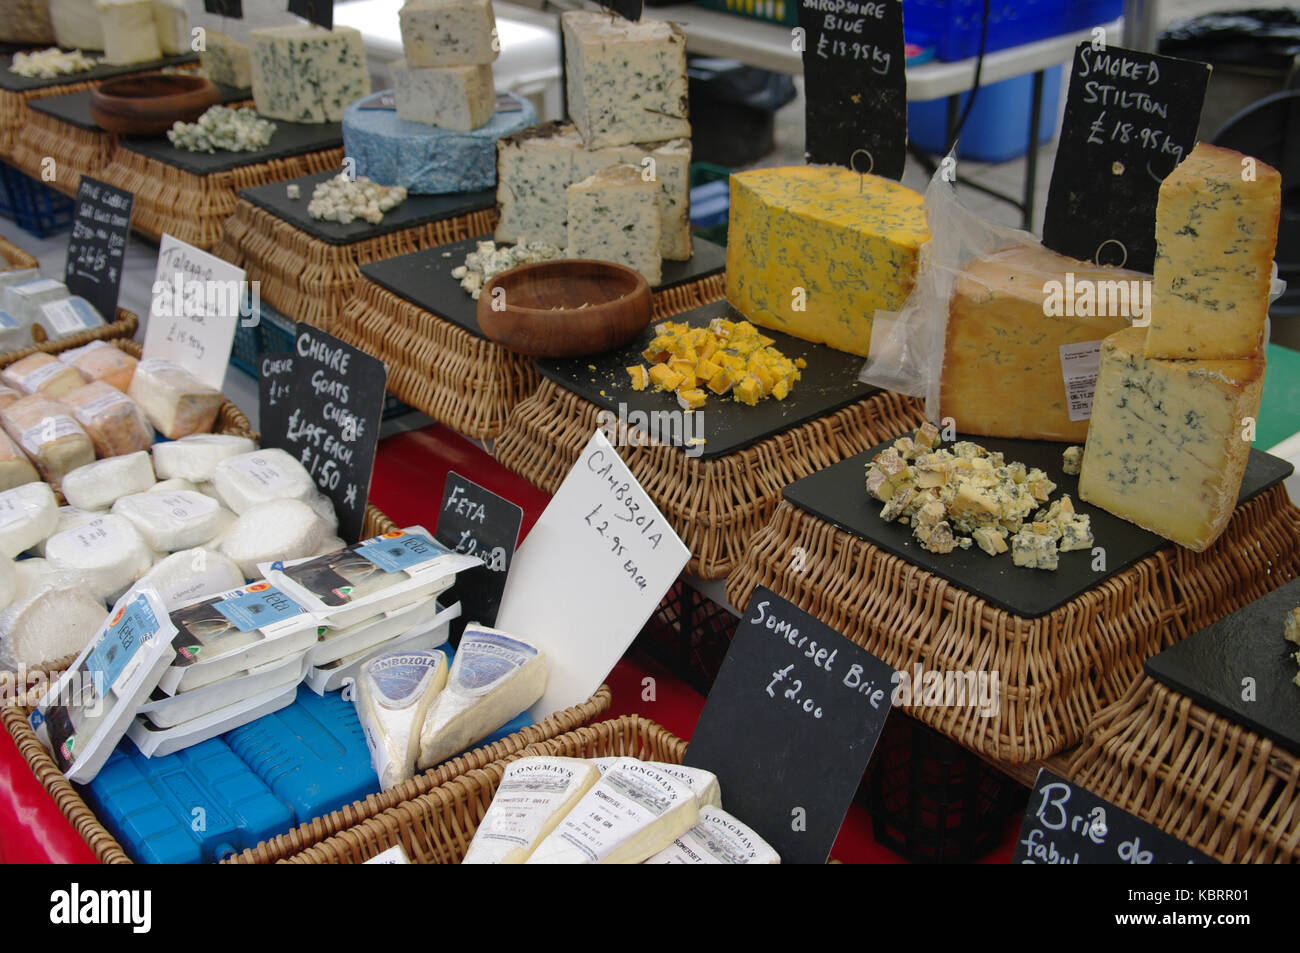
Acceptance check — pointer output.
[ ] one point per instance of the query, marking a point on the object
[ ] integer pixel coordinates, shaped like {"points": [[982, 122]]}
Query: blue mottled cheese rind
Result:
{"points": [[718, 838], [1165, 448], [460, 98], [226, 61], [307, 74], [535, 168], [427, 160], [849, 241], [535, 794], [626, 81], [614, 216], [129, 32], [634, 811], [1216, 232], [437, 33]]}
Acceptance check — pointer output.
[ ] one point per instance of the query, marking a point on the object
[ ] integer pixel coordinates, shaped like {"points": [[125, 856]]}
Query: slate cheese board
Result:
{"points": [[1210, 665], [839, 496], [424, 277], [829, 382], [21, 84], [416, 210], [74, 108], [289, 139]]}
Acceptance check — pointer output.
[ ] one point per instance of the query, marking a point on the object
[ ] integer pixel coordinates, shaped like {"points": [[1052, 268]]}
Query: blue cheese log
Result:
{"points": [[455, 97], [427, 160], [448, 32], [614, 216], [303, 73]]}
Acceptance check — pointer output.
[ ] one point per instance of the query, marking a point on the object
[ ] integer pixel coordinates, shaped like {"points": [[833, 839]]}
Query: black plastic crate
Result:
{"points": [[33, 205], [689, 634]]}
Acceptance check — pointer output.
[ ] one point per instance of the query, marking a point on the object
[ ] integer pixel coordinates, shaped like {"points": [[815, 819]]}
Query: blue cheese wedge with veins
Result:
{"points": [[445, 33], [535, 794], [302, 73], [614, 216]]}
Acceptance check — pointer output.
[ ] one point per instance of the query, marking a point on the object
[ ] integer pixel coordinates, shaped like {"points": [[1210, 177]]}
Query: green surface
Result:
{"points": [[1279, 413]]}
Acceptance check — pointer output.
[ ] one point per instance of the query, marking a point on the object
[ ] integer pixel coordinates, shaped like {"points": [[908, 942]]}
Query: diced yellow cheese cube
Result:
{"points": [[749, 390], [664, 377], [640, 377], [691, 398]]}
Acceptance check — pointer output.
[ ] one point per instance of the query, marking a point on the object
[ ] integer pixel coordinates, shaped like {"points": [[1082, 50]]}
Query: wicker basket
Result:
{"points": [[715, 506], [312, 279], [15, 257], [1194, 774], [436, 828], [75, 151], [1056, 671]]}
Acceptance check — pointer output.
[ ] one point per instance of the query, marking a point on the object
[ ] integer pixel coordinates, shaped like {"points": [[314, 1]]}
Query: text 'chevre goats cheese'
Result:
{"points": [[718, 838], [393, 697], [533, 797], [634, 811]]}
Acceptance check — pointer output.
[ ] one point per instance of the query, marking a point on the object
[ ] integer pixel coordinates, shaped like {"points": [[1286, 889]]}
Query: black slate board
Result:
{"points": [[838, 495], [1208, 667], [289, 139], [424, 277], [829, 382], [74, 108], [416, 210], [21, 84]]}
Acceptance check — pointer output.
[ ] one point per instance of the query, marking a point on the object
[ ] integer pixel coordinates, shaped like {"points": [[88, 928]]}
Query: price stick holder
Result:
{"points": [[476, 521], [101, 225], [789, 726], [320, 12], [856, 87], [225, 8]]}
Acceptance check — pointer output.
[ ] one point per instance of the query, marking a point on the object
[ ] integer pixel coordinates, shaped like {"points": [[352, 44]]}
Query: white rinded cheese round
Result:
{"points": [[96, 485], [267, 532], [192, 574], [175, 483], [8, 582], [262, 476], [28, 514], [171, 521], [108, 554], [68, 517], [195, 458], [47, 624]]}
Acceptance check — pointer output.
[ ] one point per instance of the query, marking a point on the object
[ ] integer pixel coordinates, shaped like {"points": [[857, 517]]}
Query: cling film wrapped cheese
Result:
{"points": [[174, 400], [15, 468], [49, 435], [113, 421], [41, 373], [100, 361]]}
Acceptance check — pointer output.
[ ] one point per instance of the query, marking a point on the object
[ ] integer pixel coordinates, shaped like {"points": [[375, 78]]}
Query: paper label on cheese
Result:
{"points": [[485, 658], [96, 536], [101, 404], [527, 797], [257, 607], [262, 471], [231, 621], [11, 510], [718, 838], [36, 287], [394, 855], [401, 679], [628, 798], [399, 551], [186, 509], [51, 428], [117, 657], [34, 380], [1079, 365], [64, 316]]}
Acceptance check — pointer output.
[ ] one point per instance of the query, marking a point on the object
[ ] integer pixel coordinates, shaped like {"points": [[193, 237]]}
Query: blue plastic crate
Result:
{"points": [[33, 205], [997, 129], [952, 27]]}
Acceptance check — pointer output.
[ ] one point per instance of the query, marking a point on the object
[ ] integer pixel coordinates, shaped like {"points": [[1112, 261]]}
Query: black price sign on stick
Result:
{"points": [[790, 725], [320, 12], [856, 88], [322, 403], [1130, 117], [1065, 824], [100, 227], [627, 9], [474, 520], [225, 8]]}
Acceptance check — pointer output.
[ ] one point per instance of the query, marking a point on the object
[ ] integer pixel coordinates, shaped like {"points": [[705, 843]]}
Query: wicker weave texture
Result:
{"points": [[15, 257], [1194, 774], [75, 151], [1055, 672]]}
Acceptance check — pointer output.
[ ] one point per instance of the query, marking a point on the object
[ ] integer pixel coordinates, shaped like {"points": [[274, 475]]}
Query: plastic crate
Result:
{"points": [[33, 205], [952, 27], [689, 635], [703, 173], [997, 129]]}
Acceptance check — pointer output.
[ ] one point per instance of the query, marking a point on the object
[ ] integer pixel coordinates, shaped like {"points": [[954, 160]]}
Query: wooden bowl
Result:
{"points": [[539, 310], [148, 103]]}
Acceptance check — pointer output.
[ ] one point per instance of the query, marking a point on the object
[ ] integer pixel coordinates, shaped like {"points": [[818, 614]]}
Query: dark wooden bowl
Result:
{"points": [[539, 310], [147, 104]]}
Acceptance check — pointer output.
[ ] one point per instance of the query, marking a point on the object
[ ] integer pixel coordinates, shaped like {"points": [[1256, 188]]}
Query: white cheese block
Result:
{"points": [[97, 485], [272, 532], [69, 517], [8, 582], [494, 677], [67, 316], [45, 624], [226, 61], [703, 783], [460, 98], [614, 216], [52, 440], [533, 797], [76, 24], [191, 574], [394, 694], [634, 811], [306, 73], [15, 468], [28, 514], [181, 519], [24, 300], [264, 475], [129, 32], [17, 276], [108, 554], [718, 838], [626, 81], [448, 32], [13, 333], [173, 24], [176, 402], [195, 458]]}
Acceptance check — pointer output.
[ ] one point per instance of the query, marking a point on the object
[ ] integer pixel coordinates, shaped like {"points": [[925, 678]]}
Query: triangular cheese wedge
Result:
{"points": [[718, 838], [534, 796], [393, 698], [703, 783]]}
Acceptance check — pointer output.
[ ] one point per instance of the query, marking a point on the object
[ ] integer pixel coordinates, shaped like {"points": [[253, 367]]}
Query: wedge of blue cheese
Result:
{"points": [[535, 794], [460, 98], [718, 838], [227, 61], [307, 74], [448, 32], [393, 697], [614, 216]]}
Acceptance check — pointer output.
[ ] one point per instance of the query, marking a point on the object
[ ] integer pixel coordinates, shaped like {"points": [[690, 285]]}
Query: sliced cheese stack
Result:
{"points": [[303, 73], [614, 216], [393, 697], [816, 250], [446, 78], [718, 838], [634, 811], [533, 797]]}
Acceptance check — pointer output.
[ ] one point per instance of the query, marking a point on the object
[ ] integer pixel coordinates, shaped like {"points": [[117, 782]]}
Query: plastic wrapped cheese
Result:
{"points": [[272, 532], [174, 400], [15, 468], [46, 624], [28, 514], [262, 476], [8, 582], [68, 517], [8, 395], [115, 425], [41, 373], [50, 437], [181, 519], [176, 483], [23, 300], [100, 361], [97, 485], [65, 317], [108, 554], [534, 796], [195, 458], [395, 692], [14, 334], [191, 574]]}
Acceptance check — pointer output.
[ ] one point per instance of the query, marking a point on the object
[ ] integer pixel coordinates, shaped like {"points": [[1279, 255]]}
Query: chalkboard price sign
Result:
{"points": [[474, 520], [790, 725], [1130, 117], [1066, 824], [100, 227], [225, 8], [627, 9], [856, 88], [320, 12], [322, 403]]}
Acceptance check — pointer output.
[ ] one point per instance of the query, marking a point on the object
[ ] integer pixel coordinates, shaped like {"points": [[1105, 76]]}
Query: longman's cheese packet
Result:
{"points": [[535, 794]]}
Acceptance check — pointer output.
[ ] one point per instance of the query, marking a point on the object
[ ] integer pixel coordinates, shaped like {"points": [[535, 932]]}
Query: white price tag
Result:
{"points": [[1079, 365]]}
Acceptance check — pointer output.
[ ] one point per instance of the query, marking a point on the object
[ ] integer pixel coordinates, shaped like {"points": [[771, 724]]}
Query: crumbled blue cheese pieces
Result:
{"points": [[488, 260], [962, 496], [345, 200], [47, 64], [235, 130], [1072, 460]]}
